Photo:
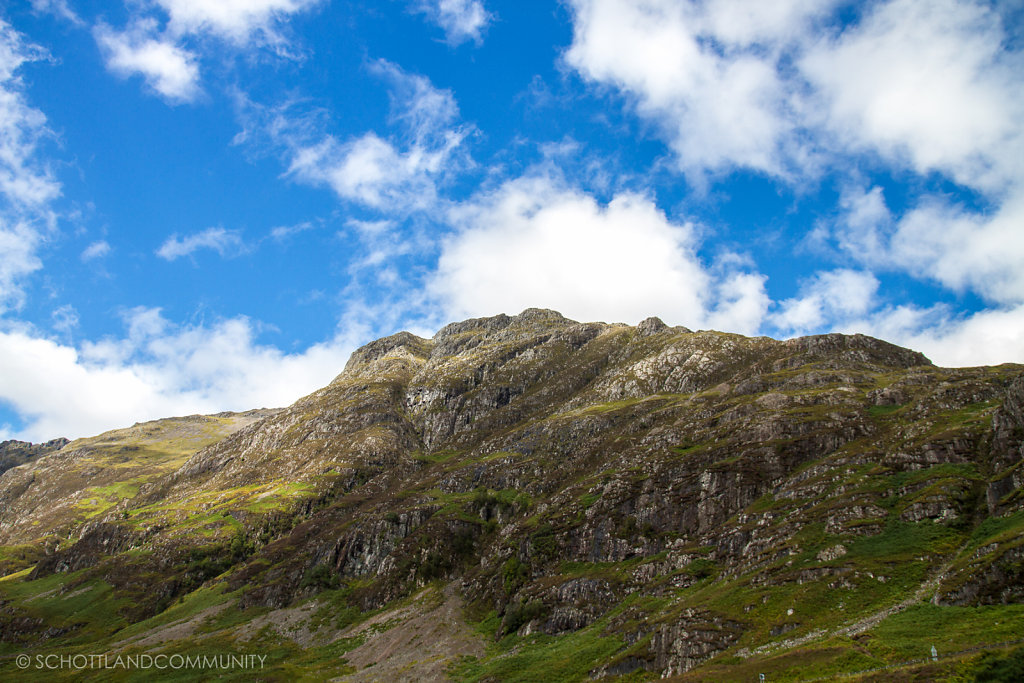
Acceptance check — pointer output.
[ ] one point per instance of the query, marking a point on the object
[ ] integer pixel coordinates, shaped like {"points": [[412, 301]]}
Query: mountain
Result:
{"points": [[531, 498]]}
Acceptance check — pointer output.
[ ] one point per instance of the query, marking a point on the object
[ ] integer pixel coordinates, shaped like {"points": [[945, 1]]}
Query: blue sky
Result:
{"points": [[207, 206]]}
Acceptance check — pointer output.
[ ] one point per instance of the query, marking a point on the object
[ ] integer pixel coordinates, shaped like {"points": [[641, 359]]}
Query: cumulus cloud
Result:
{"points": [[791, 89], [535, 242], [707, 75], [156, 370], [987, 337], [399, 173], [928, 85], [240, 21], [170, 71], [218, 239], [934, 88], [774, 86], [461, 20], [827, 298], [939, 240], [153, 44]]}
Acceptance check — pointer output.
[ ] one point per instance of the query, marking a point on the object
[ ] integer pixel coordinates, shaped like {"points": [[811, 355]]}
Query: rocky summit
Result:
{"points": [[531, 498]]}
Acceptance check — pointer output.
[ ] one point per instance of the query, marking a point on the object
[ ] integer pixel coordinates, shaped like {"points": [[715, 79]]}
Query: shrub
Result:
{"points": [[519, 613], [543, 541], [1000, 667], [320, 577], [515, 574]]}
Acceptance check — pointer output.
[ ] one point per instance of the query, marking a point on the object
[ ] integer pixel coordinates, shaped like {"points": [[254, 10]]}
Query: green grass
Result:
{"points": [[912, 632], [186, 607], [901, 541], [87, 609], [435, 457], [883, 411], [552, 659], [998, 529]]}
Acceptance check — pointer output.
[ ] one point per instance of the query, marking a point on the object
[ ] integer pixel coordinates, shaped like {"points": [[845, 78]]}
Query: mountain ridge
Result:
{"points": [[662, 499]]}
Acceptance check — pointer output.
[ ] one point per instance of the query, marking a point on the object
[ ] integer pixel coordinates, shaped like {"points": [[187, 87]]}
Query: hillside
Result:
{"points": [[531, 498]]}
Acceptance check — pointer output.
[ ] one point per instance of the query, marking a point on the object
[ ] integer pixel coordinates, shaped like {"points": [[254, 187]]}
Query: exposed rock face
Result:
{"points": [[585, 477], [14, 453]]}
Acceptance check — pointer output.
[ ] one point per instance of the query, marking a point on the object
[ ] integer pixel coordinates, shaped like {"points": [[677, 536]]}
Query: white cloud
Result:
{"points": [[374, 172], [740, 303], [461, 20], [157, 370], [59, 8], [743, 23], [827, 298], [534, 242], [861, 229], [706, 74], [65, 318], [426, 113], [965, 250], [27, 186], [396, 174], [240, 21], [775, 86], [987, 337], [169, 70], [24, 182], [281, 233], [791, 89], [153, 44], [96, 250], [220, 240], [929, 84], [940, 241], [18, 259], [932, 85]]}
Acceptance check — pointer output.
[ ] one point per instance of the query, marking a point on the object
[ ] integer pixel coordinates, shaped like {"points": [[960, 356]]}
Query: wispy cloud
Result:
{"points": [[96, 250], [398, 173], [461, 20], [65, 318], [283, 232], [59, 8], [27, 186], [222, 241]]}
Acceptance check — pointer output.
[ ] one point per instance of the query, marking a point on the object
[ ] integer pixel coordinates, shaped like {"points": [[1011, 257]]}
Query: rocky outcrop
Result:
{"points": [[14, 453]]}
